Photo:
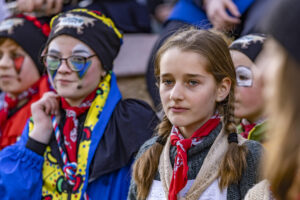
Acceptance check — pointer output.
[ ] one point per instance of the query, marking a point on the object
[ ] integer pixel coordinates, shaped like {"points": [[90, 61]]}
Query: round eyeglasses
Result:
{"points": [[76, 63]]}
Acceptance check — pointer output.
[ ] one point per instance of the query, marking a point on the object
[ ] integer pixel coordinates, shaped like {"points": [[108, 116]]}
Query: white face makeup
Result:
{"points": [[243, 76], [76, 70], [79, 61], [81, 50]]}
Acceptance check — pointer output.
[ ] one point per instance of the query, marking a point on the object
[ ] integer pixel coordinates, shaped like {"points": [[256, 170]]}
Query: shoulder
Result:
{"points": [[147, 145], [254, 148], [254, 154], [134, 106], [259, 192], [132, 111]]}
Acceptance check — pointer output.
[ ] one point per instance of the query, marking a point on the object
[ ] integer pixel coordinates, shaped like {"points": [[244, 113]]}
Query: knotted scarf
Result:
{"points": [[246, 129], [74, 173], [180, 169], [12, 103], [71, 124]]}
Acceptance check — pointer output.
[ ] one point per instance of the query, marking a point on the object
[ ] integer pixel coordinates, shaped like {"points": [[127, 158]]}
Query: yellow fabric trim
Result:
{"points": [[51, 170]]}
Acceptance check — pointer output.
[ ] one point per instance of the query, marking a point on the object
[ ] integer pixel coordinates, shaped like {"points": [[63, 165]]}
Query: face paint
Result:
{"points": [[53, 49], [18, 63], [82, 50], [52, 73], [244, 76], [85, 68]]}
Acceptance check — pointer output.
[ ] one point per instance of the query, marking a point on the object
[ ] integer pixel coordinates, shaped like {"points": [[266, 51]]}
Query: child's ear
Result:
{"points": [[223, 89]]}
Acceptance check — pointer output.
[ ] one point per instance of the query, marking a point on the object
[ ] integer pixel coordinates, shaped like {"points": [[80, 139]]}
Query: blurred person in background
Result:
{"points": [[280, 63], [249, 103], [22, 78]]}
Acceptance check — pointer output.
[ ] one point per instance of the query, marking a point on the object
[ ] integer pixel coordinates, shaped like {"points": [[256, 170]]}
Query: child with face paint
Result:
{"points": [[21, 73], [249, 104], [82, 139]]}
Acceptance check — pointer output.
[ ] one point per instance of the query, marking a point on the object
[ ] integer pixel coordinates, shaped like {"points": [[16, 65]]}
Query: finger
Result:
{"points": [[38, 4], [57, 6], [49, 6], [25, 6], [225, 18], [54, 106], [233, 9], [46, 107], [45, 102], [53, 103]]}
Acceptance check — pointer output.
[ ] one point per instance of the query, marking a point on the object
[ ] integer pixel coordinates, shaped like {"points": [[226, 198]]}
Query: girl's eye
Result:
{"points": [[15, 55], [193, 83], [167, 82], [243, 77]]}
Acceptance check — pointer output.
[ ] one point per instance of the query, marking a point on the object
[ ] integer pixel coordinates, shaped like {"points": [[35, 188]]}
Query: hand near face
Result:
{"points": [[216, 11], [48, 6], [42, 111]]}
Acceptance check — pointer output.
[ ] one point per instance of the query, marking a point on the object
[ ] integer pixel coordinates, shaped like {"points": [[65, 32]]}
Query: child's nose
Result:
{"points": [[177, 92]]}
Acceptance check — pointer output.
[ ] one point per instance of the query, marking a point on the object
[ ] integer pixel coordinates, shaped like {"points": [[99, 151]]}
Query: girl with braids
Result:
{"points": [[81, 140], [197, 154]]}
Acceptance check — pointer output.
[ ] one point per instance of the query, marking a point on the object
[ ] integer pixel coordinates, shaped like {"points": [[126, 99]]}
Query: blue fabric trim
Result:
{"points": [[187, 11], [112, 100], [19, 163], [113, 186]]}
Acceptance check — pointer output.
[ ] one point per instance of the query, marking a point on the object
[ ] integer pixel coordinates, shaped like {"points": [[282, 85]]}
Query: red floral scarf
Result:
{"points": [[71, 124], [246, 129]]}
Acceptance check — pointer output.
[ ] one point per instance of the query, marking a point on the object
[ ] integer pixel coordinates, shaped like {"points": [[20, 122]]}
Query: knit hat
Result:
{"points": [[92, 28], [250, 45], [282, 23], [28, 32]]}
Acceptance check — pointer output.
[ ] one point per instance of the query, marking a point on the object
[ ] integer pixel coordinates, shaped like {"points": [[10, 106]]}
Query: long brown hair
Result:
{"points": [[282, 165], [213, 47]]}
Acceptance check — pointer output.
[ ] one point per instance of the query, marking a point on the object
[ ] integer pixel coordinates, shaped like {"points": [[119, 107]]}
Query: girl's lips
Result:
{"points": [[178, 109], [64, 81], [6, 77]]}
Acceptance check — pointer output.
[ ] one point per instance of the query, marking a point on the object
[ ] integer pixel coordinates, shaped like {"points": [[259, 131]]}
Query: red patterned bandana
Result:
{"points": [[71, 124], [246, 129], [12, 103], [180, 169]]}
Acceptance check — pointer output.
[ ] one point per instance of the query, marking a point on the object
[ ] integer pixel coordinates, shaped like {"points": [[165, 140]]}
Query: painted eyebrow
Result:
{"points": [[81, 51], [54, 51]]}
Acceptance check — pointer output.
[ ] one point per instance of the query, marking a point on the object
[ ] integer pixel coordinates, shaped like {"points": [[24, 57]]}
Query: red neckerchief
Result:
{"points": [[246, 129], [180, 169], [71, 124], [12, 103]]}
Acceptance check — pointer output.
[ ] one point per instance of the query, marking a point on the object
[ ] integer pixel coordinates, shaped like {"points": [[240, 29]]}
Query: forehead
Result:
{"points": [[7, 44], [239, 58], [65, 42], [178, 62]]}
